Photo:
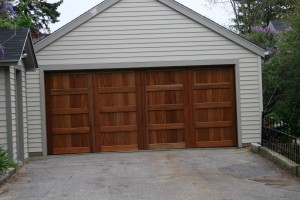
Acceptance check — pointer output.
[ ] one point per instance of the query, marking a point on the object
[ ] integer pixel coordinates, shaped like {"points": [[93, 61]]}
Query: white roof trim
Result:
{"points": [[170, 3]]}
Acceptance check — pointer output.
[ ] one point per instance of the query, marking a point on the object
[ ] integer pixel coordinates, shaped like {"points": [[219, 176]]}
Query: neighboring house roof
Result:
{"points": [[16, 43], [170, 3], [279, 25]]}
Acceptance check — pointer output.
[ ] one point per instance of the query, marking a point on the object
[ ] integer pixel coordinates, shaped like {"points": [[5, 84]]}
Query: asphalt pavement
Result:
{"points": [[190, 174]]}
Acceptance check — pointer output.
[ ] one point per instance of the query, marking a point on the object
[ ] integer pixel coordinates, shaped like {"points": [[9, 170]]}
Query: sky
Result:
{"points": [[70, 9]]}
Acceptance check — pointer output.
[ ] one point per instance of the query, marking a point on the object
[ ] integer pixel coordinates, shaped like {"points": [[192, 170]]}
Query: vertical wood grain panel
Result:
{"points": [[62, 99], [116, 110], [166, 123], [213, 106]]}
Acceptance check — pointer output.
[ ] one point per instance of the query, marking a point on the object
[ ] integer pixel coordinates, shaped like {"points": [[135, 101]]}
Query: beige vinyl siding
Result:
{"points": [[34, 112], [25, 120], [3, 125], [250, 100], [146, 31], [13, 110]]}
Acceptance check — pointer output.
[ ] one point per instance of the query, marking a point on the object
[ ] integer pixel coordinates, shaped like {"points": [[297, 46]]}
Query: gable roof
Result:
{"points": [[16, 43], [170, 3], [279, 25]]}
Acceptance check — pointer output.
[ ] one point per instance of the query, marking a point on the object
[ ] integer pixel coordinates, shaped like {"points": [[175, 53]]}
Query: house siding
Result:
{"points": [[13, 110], [149, 31], [8, 111], [34, 112], [25, 118], [3, 125]]}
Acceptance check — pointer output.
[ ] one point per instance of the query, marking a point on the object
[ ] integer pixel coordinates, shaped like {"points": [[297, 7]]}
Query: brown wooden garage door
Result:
{"points": [[98, 111]]}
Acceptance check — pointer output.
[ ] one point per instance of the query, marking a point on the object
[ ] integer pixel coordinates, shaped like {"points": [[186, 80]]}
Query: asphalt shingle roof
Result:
{"points": [[13, 42]]}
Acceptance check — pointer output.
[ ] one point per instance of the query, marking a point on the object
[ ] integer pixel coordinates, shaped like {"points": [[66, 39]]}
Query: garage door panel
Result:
{"points": [[119, 138], [117, 119], [113, 99], [165, 97], [67, 120], [213, 115], [116, 111], [215, 74], [167, 136], [216, 135], [71, 140], [116, 79], [117, 141], [212, 95], [164, 77], [165, 108], [166, 117]]}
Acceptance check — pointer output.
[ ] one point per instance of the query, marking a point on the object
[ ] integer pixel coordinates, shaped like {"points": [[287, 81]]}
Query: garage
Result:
{"points": [[143, 75], [140, 109]]}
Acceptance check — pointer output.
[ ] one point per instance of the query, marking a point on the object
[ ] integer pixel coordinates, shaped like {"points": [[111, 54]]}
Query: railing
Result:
{"points": [[285, 144]]}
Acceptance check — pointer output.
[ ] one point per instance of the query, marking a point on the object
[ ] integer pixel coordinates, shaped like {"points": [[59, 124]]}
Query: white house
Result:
{"points": [[143, 74], [16, 59]]}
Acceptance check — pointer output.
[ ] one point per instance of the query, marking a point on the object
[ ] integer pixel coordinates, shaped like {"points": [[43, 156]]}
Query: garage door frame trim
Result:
{"points": [[132, 65]]}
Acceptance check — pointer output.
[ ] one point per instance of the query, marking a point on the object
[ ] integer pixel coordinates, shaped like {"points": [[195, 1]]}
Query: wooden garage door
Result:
{"points": [[98, 111], [115, 106], [166, 109], [213, 106], [68, 125]]}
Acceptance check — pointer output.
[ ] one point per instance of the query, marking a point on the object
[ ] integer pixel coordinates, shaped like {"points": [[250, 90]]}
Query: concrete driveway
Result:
{"points": [[178, 174]]}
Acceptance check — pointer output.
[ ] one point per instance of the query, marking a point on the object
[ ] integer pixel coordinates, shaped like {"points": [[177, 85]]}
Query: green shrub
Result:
{"points": [[5, 161]]}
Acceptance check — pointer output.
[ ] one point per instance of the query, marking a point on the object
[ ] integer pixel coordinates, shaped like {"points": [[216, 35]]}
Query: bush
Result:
{"points": [[5, 161]]}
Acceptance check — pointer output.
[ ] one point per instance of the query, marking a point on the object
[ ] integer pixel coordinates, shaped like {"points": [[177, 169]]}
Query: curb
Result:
{"points": [[7, 175], [284, 163]]}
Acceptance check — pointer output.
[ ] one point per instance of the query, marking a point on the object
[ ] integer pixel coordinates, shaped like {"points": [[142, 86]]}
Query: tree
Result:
{"points": [[281, 70], [42, 12], [10, 20], [33, 14], [257, 12]]}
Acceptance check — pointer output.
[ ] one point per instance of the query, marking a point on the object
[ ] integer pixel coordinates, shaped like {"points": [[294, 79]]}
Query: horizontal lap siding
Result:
{"points": [[3, 125], [139, 31], [145, 31], [12, 76], [250, 105], [25, 117], [34, 112]]}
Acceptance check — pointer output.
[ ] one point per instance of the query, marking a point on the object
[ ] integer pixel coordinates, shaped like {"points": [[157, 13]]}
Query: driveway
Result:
{"points": [[178, 174]]}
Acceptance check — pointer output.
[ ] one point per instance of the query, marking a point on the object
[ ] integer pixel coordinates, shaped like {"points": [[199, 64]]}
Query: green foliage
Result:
{"points": [[5, 161], [33, 14], [22, 20], [257, 12], [281, 71], [40, 12]]}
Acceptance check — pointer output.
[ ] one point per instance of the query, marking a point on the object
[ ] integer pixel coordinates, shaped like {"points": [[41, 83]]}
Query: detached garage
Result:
{"points": [[144, 74]]}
